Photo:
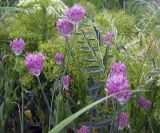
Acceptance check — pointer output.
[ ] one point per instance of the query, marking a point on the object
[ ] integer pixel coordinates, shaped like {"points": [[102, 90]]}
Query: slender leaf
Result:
{"points": [[90, 68], [71, 118]]}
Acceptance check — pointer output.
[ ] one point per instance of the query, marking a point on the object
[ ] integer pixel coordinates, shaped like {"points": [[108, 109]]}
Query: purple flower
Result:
{"points": [[64, 27], [117, 84], [17, 46], [123, 120], [141, 101], [59, 58], [66, 81], [75, 14], [108, 39], [83, 129], [118, 68], [148, 104], [35, 63], [144, 102]]}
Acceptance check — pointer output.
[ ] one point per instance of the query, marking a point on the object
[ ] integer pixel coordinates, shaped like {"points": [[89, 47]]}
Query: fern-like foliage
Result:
{"points": [[52, 6], [89, 39]]}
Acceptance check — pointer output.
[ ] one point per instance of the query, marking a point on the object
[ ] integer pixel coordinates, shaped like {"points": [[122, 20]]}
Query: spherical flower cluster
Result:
{"points": [[17, 46], [64, 27], [144, 102], [118, 68], [75, 14], [59, 58], [35, 63], [119, 84], [122, 120], [66, 81], [108, 39], [83, 129]]}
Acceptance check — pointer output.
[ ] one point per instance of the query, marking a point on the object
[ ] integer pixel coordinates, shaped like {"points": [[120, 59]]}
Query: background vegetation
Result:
{"points": [[136, 28]]}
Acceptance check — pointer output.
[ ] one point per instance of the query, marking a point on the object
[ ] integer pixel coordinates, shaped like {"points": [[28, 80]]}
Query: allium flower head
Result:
{"points": [[148, 104], [123, 120], [59, 58], [144, 102], [75, 14], [64, 27], [83, 129], [117, 84], [118, 68], [66, 81], [108, 39], [17, 46], [141, 101], [35, 63]]}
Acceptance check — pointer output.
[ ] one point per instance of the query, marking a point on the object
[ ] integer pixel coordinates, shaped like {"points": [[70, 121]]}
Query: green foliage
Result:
{"points": [[135, 44], [34, 23], [30, 27], [50, 48], [71, 118], [154, 26], [124, 23], [100, 4], [135, 8], [90, 8], [27, 80]]}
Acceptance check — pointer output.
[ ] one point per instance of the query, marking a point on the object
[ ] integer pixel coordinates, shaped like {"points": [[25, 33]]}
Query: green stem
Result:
{"points": [[16, 62], [76, 64], [150, 123], [118, 111], [112, 123], [54, 87], [22, 94], [142, 66], [50, 116], [43, 93], [57, 112], [105, 58], [70, 113]]}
